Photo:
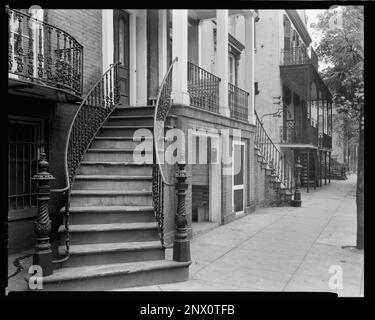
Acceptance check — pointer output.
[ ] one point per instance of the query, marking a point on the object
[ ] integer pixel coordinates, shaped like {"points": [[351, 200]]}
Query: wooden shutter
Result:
{"points": [[286, 33]]}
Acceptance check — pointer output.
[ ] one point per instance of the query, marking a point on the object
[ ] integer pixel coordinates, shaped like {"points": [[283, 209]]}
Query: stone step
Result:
{"points": [[113, 168], [126, 131], [110, 198], [110, 232], [110, 214], [109, 253], [119, 182], [137, 120], [115, 276], [119, 155], [119, 142], [134, 111], [264, 165]]}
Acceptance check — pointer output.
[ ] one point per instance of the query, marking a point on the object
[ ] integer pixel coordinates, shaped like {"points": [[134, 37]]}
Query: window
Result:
{"points": [[314, 111], [232, 69], [24, 137], [287, 30]]}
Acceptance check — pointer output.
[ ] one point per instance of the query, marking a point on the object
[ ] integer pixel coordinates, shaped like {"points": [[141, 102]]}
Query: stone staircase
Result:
{"points": [[278, 170], [114, 239], [312, 177], [281, 194]]}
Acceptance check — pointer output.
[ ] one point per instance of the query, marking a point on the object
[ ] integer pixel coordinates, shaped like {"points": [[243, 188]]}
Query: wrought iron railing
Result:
{"points": [[324, 141], [42, 53], [238, 101], [100, 101], [203, 88], [282, 167], [295, 55], [292, 133], [162, 107], [314, 58]]}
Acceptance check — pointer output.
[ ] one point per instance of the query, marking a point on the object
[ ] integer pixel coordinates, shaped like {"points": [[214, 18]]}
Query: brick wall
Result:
{"points": [[85, 26]]}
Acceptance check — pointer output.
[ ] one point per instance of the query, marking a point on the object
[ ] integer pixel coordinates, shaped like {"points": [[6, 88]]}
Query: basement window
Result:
{"points": [[24, 138]]}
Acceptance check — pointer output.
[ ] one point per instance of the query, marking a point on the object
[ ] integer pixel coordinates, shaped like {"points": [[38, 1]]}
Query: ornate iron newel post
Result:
{"points": [[297, 192], [43, 253], [181, 245]]}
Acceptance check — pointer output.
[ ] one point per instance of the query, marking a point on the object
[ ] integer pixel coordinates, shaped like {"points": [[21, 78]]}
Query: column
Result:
{"points": [[142, 58], [200, 39], [180, 93], [249, 61], [325, 167], [107, 38], [222, 59], [162, 35], [308, 171], [133, 59]]}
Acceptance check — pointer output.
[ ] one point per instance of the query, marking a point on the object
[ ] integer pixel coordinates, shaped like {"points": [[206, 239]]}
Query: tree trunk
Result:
{"points": [[360, 185]]}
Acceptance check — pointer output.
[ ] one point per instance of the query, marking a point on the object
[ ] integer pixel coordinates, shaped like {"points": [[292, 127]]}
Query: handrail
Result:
{"points": [[93, 111], [278, 162], [68, 180], [161, 112], [162, 107]]}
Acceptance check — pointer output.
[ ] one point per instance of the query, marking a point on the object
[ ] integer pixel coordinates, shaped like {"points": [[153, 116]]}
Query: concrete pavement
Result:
{"points": [[282, 249]]}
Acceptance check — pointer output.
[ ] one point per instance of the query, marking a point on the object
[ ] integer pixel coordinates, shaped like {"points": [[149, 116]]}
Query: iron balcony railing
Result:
{"points": [[314, 59], [299, 135], [282, 167], [203, 88], [42, 53], [295, 55], [324, 141], [238, 101]]}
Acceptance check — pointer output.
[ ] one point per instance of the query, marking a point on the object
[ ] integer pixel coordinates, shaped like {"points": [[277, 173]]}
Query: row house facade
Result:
{"points": [[293, 103], [91, 87]]}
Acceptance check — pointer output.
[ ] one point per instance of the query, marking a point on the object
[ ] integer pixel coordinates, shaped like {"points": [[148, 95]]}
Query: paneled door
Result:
{"points": [[121, 51], [238, 158]]}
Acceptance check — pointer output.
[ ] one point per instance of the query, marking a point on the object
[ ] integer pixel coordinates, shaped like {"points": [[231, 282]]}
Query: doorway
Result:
{"points": [[238, 182], [121, 52]]}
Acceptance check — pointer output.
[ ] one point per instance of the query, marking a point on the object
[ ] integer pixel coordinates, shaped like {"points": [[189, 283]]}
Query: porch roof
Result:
{"points": [[299, 76]]}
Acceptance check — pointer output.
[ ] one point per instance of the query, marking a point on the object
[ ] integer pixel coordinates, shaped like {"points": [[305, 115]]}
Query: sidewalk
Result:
{"points": [[281, 249]]}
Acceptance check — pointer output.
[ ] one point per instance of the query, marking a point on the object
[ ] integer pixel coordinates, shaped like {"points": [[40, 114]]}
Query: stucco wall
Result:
{"points": [[236, 27], [267, 71]]}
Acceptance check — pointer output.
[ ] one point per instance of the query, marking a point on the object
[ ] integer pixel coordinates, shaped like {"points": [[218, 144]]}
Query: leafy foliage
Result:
{"points": [[341, 49]]}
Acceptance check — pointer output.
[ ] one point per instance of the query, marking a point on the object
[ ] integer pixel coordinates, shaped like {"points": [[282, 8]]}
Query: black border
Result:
{"points": [[130, 302]]}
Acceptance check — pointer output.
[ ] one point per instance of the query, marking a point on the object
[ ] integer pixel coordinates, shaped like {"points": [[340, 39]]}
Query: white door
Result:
{"points": [[238, 177]]}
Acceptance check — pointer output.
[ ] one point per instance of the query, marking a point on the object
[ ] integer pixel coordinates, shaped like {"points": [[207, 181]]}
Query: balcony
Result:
{"points": [[292, 134], [238, 101], [324, 141], [203, 88], [43, 60], [298, 55]]}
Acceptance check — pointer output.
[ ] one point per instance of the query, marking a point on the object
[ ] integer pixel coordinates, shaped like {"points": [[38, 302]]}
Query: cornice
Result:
{"points": [[299, 25]]}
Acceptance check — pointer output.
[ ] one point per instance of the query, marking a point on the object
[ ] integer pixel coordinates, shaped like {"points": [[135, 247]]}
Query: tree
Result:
{"points": [[341, 50]]}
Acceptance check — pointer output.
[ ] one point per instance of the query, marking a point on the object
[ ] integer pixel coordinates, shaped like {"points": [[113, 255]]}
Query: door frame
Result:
{"points": [[136, 40], [214, 174], [117, 16], [240, 186]]}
